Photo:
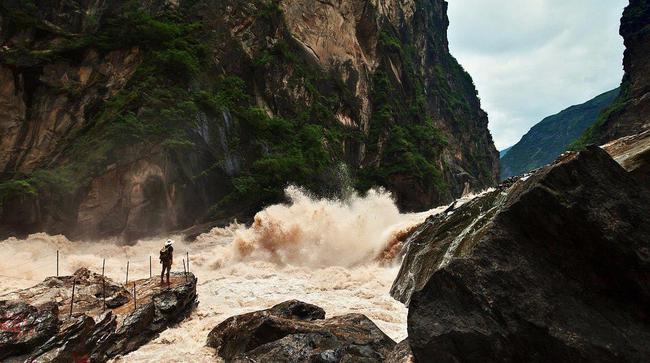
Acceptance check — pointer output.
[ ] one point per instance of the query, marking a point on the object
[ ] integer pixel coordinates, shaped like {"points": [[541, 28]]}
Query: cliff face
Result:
{"points": [[550, 137], [630, 113], [132, 118]]}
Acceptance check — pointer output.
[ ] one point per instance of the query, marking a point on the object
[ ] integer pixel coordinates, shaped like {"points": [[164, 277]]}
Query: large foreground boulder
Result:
{"points": [[554, 266], [294, 331], [36, 324]]}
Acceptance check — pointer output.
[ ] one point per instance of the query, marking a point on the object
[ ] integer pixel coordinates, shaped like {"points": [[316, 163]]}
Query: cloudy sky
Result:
{"points": [[533, 58]]}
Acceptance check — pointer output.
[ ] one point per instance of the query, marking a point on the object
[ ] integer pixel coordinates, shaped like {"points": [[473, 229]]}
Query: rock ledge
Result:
{"points": [[36, 324]]}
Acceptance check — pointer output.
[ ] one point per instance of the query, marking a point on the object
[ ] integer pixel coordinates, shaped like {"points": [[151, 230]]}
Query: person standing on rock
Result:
{"points": [[166, 259]]}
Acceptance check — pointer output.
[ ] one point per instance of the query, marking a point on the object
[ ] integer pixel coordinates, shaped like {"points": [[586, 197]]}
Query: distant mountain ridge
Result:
{"points": [[550, 137], [503, 152]]}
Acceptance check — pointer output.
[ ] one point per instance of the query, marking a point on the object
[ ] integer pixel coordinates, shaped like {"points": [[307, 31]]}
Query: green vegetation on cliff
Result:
{"points": [[218, 106], [592, 134], [160, 103], [154, 108]]}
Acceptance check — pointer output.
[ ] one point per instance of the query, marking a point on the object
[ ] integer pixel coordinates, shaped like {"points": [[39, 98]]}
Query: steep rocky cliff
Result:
{"points": [[133, 118], [550, 137], [630, 112]]}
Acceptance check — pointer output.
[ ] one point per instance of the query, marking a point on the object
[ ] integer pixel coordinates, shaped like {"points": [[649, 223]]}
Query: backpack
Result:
{"points": [[165, 253]]}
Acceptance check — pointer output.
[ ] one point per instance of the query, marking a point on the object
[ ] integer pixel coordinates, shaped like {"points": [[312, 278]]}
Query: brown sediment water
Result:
{"points": [[325, 252]]}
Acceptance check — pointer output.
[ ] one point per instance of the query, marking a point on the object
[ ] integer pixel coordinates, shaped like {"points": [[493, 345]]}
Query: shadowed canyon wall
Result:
{"points": [[629, 114]]}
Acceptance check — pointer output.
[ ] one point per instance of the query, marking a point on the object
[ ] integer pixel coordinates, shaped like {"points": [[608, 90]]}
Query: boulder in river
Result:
{"points": [[36, 324], [553, 266], [294, 331]]}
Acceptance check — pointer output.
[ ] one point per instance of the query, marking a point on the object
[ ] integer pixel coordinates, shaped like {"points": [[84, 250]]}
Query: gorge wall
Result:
{"points": [[630, 112], [135, 118]]}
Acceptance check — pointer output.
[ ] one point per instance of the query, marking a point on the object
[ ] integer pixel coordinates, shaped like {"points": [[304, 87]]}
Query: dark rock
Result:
{"points": [[74, 342], [297, 332], [91, 333], [117, 300], [554, 266], [23, 326], [401, 353], [321, 347], [298, 310]]}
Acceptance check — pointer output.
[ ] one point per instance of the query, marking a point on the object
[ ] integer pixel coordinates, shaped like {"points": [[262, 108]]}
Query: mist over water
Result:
{"points": [[321, 251]]}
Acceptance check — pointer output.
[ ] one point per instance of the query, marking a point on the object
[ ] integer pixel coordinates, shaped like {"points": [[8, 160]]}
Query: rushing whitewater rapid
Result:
{"points": [[324, 252]]}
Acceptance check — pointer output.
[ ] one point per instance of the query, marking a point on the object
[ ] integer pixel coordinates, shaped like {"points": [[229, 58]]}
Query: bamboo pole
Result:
{"points": [[103, 285], [135, 299], [74, 283], [127, 272]]}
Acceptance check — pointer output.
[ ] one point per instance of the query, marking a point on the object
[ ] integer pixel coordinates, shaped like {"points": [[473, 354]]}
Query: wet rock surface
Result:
{"points": [[553, 266], [36, 324], [294, 331]]}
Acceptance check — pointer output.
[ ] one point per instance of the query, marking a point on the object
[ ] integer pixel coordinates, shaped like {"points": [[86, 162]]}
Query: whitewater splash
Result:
{"points": [[321, 232], [319, 251]]}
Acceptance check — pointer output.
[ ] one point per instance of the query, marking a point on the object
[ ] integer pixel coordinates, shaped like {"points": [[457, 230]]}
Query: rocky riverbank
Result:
{"points": [[42, 323]]}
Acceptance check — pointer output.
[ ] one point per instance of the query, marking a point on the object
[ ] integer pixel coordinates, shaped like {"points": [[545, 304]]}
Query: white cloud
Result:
{"points": [[531, 59]]}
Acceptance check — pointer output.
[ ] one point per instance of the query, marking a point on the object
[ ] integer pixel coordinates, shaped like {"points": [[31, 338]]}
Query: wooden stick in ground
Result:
{"points": [[127, 273], [150, 266], [135, 299], [103, 294], [57, 263], [184, 270], [187, 254], [103, 285], [74, 283]]}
